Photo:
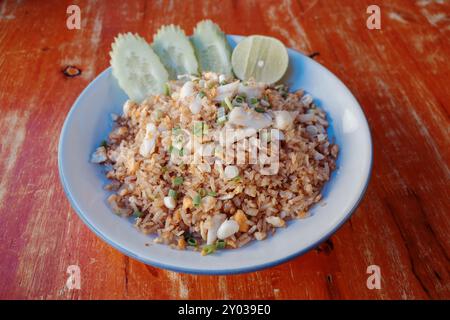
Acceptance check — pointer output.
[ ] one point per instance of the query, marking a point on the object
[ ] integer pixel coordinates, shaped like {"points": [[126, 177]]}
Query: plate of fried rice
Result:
{"points": [[217, 175]]}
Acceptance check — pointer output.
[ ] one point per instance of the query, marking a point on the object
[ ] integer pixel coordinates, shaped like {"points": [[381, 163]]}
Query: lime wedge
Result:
{"points": [[262, 58]]}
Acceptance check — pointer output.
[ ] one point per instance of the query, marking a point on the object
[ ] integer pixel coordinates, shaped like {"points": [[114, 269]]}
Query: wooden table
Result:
{"points": [[400, 74]]}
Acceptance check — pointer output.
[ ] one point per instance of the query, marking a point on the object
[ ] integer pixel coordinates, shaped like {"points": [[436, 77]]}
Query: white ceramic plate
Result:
{"points": [[88, 123]]}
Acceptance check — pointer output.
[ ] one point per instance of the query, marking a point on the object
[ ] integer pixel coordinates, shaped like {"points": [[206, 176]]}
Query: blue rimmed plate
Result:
{"points": [[88, 123]]}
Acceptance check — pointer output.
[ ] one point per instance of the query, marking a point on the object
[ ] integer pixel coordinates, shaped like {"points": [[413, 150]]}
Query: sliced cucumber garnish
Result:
{"points": [[175, 51], [212, 48], [137, 68]]}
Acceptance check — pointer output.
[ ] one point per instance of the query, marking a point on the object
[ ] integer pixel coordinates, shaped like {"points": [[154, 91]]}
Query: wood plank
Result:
{"points": [[399, 74]]}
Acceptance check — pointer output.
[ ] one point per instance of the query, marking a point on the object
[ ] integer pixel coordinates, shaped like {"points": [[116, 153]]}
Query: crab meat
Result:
{"points": [[226, 91], [212, 225], [149, 141], [247, 117], [252, 91], [227, 229], [283, 120]]}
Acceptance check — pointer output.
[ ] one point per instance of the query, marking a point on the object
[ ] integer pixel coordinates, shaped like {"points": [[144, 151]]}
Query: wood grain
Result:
{"points": [[399, 74]]}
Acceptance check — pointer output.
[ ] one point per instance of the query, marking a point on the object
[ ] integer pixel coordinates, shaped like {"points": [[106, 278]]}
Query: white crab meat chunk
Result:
{"points": [[227, 229], [252, 91], [99, 155], [283, 120], [247, 117], [127, 106], [149, 141], [212, 226], [170, 203], [230, 172], [187, 90], [196, 105], [226, 91]]}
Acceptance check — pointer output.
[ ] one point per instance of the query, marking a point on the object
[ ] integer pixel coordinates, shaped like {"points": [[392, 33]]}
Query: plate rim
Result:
{"points": [[182, 269]]}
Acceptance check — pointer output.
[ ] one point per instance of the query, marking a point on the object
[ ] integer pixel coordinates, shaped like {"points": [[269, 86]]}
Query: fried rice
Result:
{"points": [[215, 201]]}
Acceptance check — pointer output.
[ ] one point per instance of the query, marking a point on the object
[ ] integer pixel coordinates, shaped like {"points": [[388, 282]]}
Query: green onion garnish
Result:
{"points": [[176, 131], [192, 241], [228, 103], [260, 110], [237, 179], [166, 89], [177, 181], [212, 193], [239, 100], [208, 249], [172, 193], [138, 214], [221, 115], [220, 244], [198, 129], [202, 192], [103, 144], [181, 153], [201, 94], [253, 101], [222, 120], [197, 200]]}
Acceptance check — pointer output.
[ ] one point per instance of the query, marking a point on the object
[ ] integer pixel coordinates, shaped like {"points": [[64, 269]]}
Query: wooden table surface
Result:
{"points": [[400, 75]]}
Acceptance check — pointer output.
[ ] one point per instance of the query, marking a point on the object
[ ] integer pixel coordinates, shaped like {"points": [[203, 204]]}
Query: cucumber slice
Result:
{"points": [[137, 68], [212, 48], [175, 51]]}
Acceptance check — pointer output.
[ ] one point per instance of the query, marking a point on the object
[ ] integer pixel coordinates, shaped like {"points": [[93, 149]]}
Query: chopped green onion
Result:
{"points": [[221, 115], [176, 131], [228, 104], [166, 89], [222, 120], [221, 244], [181, 152], [192, 241], [260, 110], [202, 192], [253, 101], [197, 200], [198, 129], [208, 249], [177, 181], [201, 94], [239, 100], [103, 144], [237, 179], [158, 114], [172, 193], [138, 214], [212, 193]]}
